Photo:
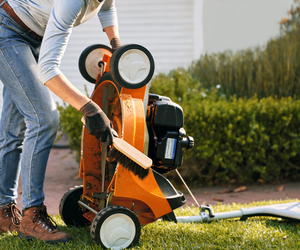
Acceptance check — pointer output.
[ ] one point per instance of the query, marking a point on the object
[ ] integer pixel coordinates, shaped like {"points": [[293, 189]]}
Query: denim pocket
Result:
{"points": [[5, 21], [2, 23]]}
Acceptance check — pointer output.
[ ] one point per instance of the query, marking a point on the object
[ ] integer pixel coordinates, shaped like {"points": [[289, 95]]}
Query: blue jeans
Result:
{"points": [[29, 119]]}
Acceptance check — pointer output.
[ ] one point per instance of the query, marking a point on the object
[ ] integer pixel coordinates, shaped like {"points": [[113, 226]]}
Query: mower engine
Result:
{"points": [[167, 137]]}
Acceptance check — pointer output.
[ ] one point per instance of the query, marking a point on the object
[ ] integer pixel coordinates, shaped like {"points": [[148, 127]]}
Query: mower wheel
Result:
{"points": [[90, 59], [69, 209], [115, 227], [132, 66]]}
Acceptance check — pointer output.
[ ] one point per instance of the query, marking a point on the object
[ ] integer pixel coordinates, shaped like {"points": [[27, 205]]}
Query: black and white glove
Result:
{"points": [[97, 122]]}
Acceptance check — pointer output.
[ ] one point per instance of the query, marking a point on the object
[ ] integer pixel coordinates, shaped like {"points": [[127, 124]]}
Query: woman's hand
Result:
{"points": [[97, 122], [112, 33]]}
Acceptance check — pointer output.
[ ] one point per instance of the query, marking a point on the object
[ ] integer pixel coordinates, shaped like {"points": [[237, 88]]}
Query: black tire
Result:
{"points": [[69, 209], [115, 221], [125, 81], [83, 58], [107, 77]]}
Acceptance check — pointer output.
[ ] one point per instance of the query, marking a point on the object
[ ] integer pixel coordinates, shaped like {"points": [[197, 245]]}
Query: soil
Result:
{"points": [[62, 174]]}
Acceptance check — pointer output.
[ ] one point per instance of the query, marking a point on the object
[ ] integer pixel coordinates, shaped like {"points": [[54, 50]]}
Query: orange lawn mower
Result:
{"points": [[116, 200]]}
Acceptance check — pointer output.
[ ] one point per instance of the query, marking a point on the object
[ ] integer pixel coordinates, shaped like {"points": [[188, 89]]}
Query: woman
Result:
{"points": [[33, 37]]}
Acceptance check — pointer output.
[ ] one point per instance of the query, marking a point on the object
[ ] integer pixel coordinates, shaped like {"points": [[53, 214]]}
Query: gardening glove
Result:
{"points": [[115, 43], [97, 122]]}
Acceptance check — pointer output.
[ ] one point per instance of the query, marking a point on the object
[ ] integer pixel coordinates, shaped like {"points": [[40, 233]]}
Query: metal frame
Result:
{"points": [[290, 211]]}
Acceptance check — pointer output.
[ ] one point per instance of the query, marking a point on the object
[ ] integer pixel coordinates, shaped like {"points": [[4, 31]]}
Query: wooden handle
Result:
{"points": [[132, 153]]}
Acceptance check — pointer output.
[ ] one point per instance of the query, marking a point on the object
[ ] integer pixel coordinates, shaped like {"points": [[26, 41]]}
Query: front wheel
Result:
{"points": [[115, 227]]}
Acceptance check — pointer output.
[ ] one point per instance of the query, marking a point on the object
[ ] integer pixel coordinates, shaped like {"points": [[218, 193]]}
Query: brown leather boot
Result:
{"points": [[37, 224], [10, 218]]}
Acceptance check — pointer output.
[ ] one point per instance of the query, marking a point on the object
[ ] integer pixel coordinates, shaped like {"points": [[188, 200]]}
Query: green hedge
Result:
{"points": [[246, 140], [70, 125], [241, 140], [272, 70]]}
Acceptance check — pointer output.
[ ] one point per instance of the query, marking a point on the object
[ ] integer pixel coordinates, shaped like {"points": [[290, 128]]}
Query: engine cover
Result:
{"points": [[167, 137]]}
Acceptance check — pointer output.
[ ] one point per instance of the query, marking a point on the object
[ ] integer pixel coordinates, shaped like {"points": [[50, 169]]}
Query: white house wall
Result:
{"points": [[165, 28]]}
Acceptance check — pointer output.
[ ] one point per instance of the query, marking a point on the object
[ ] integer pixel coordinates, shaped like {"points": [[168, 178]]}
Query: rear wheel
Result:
{"points": [[69, 209], [115, 227], [90, 60]]}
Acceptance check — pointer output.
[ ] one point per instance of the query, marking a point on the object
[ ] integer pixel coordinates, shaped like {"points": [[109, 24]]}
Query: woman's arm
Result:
{"points": [[96, 121], [112, 32], [56, 38], [65, 90]]}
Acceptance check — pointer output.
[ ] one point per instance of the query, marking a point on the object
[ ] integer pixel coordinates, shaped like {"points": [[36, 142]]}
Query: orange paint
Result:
{"points": [[126, 112]]}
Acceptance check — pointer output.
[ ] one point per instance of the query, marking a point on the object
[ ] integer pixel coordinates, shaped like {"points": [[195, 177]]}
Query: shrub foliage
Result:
{"points": [[238, 139], [71, 126], [273, 70], [246, 140]]}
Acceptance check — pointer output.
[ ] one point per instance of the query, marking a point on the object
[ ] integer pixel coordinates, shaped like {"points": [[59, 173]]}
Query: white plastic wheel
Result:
{"points": [[131, 66], [134, 66], [90, 59], [117, 231], [115, 227]]}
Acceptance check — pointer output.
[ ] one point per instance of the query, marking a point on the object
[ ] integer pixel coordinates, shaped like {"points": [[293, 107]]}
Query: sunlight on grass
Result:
{"points": [[255, 233]]}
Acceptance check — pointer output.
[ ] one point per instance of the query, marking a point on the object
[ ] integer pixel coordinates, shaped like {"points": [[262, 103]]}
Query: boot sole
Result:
{"points": [[30, 237]]}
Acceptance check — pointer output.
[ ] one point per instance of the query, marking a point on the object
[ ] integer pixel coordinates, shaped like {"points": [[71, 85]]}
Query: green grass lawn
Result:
{"points": [[255, 233]]}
